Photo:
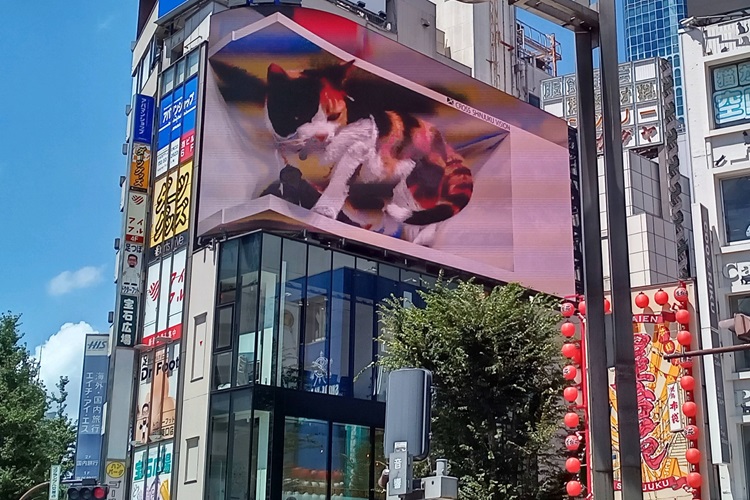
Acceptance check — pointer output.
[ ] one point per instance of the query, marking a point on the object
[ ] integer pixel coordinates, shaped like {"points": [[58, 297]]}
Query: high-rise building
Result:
{"points": [[651, 30], [290, 166]]}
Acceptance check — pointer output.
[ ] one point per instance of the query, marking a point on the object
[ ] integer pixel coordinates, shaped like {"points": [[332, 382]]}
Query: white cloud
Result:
{"points": [[62, 355], [67, 281], [105, 24]]}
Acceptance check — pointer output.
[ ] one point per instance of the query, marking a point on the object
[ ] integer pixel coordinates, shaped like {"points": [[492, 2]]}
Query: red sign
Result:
{"points": [[171, 333]]}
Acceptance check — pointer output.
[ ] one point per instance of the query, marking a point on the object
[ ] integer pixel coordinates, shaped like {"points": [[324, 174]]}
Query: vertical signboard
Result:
{"points": [[93, 392], [54, 482], [660, 396], [719, 430]]}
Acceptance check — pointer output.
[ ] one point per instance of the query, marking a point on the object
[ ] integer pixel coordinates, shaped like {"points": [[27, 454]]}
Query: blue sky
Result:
{"points": [[63, 92], [62, 98]]}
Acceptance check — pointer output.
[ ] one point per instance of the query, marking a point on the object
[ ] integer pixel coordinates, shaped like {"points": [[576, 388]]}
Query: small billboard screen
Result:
{"points": [[314, 121]]}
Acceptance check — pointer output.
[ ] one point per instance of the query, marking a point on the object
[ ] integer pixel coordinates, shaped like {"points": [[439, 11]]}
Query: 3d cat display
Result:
{"points": [[383, 157]]}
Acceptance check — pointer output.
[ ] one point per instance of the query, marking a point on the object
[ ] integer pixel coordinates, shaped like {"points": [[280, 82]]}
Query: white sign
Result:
{"points": [[673, 404], [115, 479], [54, 482], [135, 226]]}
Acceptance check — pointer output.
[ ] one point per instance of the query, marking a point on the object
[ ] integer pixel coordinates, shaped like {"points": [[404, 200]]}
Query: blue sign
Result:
{"points": [[143, 120], [177, 113], [189, 105], [165, 121], [90, 410], [167, 6], [731, 93]]}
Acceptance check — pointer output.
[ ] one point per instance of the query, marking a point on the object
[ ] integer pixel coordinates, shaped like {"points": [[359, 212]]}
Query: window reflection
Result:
{"points": [[219, 450], [736, 208], [293, 279], [316, 353], [350, 462], [305, 459]]}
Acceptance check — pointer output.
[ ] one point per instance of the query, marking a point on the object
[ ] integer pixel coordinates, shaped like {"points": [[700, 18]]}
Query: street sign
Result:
{"points": [[54, 482]]}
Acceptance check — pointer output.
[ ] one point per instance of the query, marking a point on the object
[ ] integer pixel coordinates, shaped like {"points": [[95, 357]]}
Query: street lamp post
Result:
{"points": [[600, 28]]}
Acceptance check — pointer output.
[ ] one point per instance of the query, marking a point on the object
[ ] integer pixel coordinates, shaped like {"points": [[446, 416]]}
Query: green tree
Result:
{"points": [[496, 368], [29, 442]]}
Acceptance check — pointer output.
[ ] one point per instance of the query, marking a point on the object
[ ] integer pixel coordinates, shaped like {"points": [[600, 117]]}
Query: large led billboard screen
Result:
{"points": [[313, 121]]}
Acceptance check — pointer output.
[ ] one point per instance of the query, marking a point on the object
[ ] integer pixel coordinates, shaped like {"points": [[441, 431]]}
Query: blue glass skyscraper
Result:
{"points": [[651, 31]]}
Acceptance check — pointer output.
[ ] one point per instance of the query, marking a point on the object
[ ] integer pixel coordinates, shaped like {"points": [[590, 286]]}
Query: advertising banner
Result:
{"points": [[152, 471], [190, 105], [127, 321], [157, 390], [140, 166], [90, 417], [660, 398], [313, 121], [143, 124], [135, 228], [170, 213]]}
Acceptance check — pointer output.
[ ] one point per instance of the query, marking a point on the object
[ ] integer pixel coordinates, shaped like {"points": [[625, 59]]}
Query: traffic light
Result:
{"points": [[97, 492]]}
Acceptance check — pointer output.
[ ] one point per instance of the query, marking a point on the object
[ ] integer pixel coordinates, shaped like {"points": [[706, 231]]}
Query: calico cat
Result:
{"points": [[382, 155]]}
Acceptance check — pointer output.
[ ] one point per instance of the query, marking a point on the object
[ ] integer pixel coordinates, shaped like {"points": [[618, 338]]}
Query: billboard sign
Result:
{"points": [[135, 228], [372, 141], [157, 390], [127, 321], [642, 85], [143, 124], [702, 8], [90, 416], [660, 399], [140, 166]]}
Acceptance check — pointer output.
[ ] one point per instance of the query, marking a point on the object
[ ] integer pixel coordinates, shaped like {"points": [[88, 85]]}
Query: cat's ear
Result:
{"points": [[341, 72], [236, 84], [276, 73]]}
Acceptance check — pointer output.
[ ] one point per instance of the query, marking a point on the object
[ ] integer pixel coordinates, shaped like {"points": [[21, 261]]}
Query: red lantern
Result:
{"points": [[691, 432], [686, 363], [574, 488], [577, 357], [573, 465], [684, 337], [572, 420], [570, 394], [568, 329], [569, 372], [572, 443], [641, 300], [607, 306], [683, 316], [681, 294], [689, 409], [569, 350], [687, 382], [661, 297], [694, 480], [567, 309], [582, 307], [669, 347], [693, 455]]}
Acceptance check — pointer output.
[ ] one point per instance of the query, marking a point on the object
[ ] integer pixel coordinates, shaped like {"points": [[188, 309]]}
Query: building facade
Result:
{"points": [[651, 30], [252, 264], [715, 51]]}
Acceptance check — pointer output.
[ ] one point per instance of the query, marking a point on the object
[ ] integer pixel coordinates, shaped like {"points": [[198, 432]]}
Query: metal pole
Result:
{"points": [[624, 355], [708, 352], [593, 275]]}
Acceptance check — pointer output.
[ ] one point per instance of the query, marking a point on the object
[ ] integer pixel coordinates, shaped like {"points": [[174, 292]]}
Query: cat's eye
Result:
{"points": [[334, 117]]}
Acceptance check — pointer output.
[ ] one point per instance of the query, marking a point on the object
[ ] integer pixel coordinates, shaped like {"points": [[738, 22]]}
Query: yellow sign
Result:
{"points": [[171, 204], [140, 166], [116, 469]]}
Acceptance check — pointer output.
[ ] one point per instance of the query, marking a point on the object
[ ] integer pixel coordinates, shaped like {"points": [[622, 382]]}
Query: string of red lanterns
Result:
{"points": [[571, 372]]}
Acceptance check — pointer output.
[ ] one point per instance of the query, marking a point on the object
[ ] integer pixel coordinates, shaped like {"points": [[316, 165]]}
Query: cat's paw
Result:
{"points": [[326, 210], [397, 212]]}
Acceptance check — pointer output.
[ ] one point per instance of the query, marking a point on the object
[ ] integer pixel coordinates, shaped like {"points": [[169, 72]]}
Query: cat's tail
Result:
{"points": [[452, 195]]}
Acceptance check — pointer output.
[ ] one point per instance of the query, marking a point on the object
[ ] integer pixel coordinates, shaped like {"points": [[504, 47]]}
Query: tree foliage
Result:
{"points": [[29, 442], [496, 371]]}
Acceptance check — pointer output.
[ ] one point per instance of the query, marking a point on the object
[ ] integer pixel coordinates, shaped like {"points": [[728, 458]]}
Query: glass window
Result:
{"points": [[229, 252], [740, 304], [364, 286], [736, 199], [293, 284], [381, 463], [268, 325], [249, 264], [192, 62], [351, 451], [340, 382], [731, 94], [222, 370], [261, 454], [305, 459], [218, 451], [316, 354], [242, 428], [223, 338]]}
